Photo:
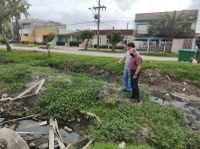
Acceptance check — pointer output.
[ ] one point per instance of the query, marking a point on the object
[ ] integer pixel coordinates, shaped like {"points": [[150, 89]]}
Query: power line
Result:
{"points": [[99, 7], [108, 21]]}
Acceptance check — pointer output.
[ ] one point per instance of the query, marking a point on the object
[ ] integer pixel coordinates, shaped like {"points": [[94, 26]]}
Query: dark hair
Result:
{"points": [[131, 44], [198, 42]]}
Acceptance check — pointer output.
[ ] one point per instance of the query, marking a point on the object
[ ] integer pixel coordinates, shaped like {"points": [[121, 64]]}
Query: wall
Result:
{"points": [[39, 32], [28, 39], [178, 44]]}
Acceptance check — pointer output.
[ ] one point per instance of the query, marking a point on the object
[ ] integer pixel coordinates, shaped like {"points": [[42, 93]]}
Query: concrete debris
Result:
{"points": [[10, 140]]}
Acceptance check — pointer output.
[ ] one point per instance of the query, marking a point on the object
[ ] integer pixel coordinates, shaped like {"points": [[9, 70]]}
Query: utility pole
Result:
{"points": [[97, 16], [126, 36]]}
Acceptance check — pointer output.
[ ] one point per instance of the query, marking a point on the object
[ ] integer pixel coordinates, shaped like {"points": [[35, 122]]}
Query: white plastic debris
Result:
{"points": [[122, 145]]}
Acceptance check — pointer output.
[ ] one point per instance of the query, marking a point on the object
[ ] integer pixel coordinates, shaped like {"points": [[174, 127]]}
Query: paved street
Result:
{"points": [[75, 50]]}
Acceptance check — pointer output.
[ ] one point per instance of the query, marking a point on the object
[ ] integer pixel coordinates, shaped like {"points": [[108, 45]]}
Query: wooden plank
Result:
{"points": [[54, 127], [28, 90], [51, 135], [57, 129], [92, 115], [61, 144], [22, 118], [88, 144], [39, 87]]}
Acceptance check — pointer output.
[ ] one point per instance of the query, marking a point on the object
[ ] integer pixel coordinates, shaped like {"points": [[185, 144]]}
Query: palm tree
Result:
{"points": [[171, 25], [8, 10]]}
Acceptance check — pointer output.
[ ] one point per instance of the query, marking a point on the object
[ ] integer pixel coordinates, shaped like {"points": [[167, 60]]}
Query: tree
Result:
{"points": [[49, 38], [21, 7], [114, 38], [86, 35], [171, 25], [8, 10]]}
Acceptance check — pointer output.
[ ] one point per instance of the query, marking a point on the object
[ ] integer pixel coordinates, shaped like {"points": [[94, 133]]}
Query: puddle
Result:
{"points": [[31, 127], [179, 104], [2, 119], [191, 114]]}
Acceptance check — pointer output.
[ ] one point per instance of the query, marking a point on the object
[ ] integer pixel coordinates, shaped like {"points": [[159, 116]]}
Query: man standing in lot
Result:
{"points": [[135, 66], [126, 76], [198, 50]]}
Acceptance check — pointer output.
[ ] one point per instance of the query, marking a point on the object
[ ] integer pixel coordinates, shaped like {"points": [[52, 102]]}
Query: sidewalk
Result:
{"points": [[75, 50]]}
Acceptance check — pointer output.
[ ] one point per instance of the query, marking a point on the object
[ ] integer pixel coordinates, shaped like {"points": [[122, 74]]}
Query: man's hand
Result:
{"points": [[118, 62], [135, 76]]}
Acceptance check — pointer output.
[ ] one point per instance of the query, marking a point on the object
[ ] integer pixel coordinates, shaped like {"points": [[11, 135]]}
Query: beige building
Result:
{"points": [[34, 30], [103, 41]]}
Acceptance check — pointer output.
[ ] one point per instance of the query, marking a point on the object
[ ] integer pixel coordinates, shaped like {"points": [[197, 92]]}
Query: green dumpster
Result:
{"points": [[186, 55]]}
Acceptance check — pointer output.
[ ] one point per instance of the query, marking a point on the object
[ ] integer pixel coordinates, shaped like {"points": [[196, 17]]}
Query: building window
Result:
{"points": [[142, 28]]}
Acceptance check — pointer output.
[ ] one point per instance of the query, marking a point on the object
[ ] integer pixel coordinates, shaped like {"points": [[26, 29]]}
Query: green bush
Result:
{"points": [[74, 43], [65, 99], [59, 43], [2, 41]]}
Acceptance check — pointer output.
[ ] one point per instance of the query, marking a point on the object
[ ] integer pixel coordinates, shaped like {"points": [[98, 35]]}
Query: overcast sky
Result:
{"points": [[117, 14]]}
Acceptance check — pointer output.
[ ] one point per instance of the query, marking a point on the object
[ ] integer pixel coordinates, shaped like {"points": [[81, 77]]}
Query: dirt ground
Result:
{"points": [[156, 80]]}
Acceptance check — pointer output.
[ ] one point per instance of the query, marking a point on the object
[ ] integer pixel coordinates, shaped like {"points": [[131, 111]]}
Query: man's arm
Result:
{"points": [[121, 60], [137, 71]]}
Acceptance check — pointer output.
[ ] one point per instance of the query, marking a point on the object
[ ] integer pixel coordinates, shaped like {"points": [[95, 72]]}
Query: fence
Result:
{"points": [[153, 46]]}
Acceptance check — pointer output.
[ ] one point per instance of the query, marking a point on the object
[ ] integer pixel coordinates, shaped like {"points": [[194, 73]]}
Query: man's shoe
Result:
{"points": [[124, 90], [132, 98], [135, 101]]}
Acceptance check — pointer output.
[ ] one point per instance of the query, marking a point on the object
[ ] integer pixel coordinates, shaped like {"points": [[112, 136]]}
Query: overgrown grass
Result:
{"points": [[159, 54], [78, 63], [13, 77], [67, 98], [67, 94], [25, 45], [158, 126], [114, 146], [104, 50]]}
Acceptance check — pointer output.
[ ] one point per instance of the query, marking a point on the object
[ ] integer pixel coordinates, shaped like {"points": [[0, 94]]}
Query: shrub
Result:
{"points": [[74, 43], [3, 41], [60, 43]]}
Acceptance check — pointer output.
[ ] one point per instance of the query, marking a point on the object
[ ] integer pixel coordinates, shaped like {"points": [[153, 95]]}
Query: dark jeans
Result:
{"points": [[198, 56], [134, 85]]}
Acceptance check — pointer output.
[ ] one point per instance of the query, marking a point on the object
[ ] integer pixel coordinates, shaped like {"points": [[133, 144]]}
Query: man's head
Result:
{"points": [[133, 52], [131, 45]]}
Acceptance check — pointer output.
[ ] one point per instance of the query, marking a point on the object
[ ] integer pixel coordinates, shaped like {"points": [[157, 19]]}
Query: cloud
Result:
{"points": [[118, 12], [195, 4]]}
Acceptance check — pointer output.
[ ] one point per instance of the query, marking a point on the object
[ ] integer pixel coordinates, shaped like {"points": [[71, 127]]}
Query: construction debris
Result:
{"points": [[55, 135], [24, 94], [22, 118], [11, 140], [88, 144], [68, 129], [92, 115]]}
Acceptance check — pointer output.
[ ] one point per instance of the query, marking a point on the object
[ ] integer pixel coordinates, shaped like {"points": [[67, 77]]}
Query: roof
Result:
{"points": [[124, 32], [70, 34], [155, 15]]}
